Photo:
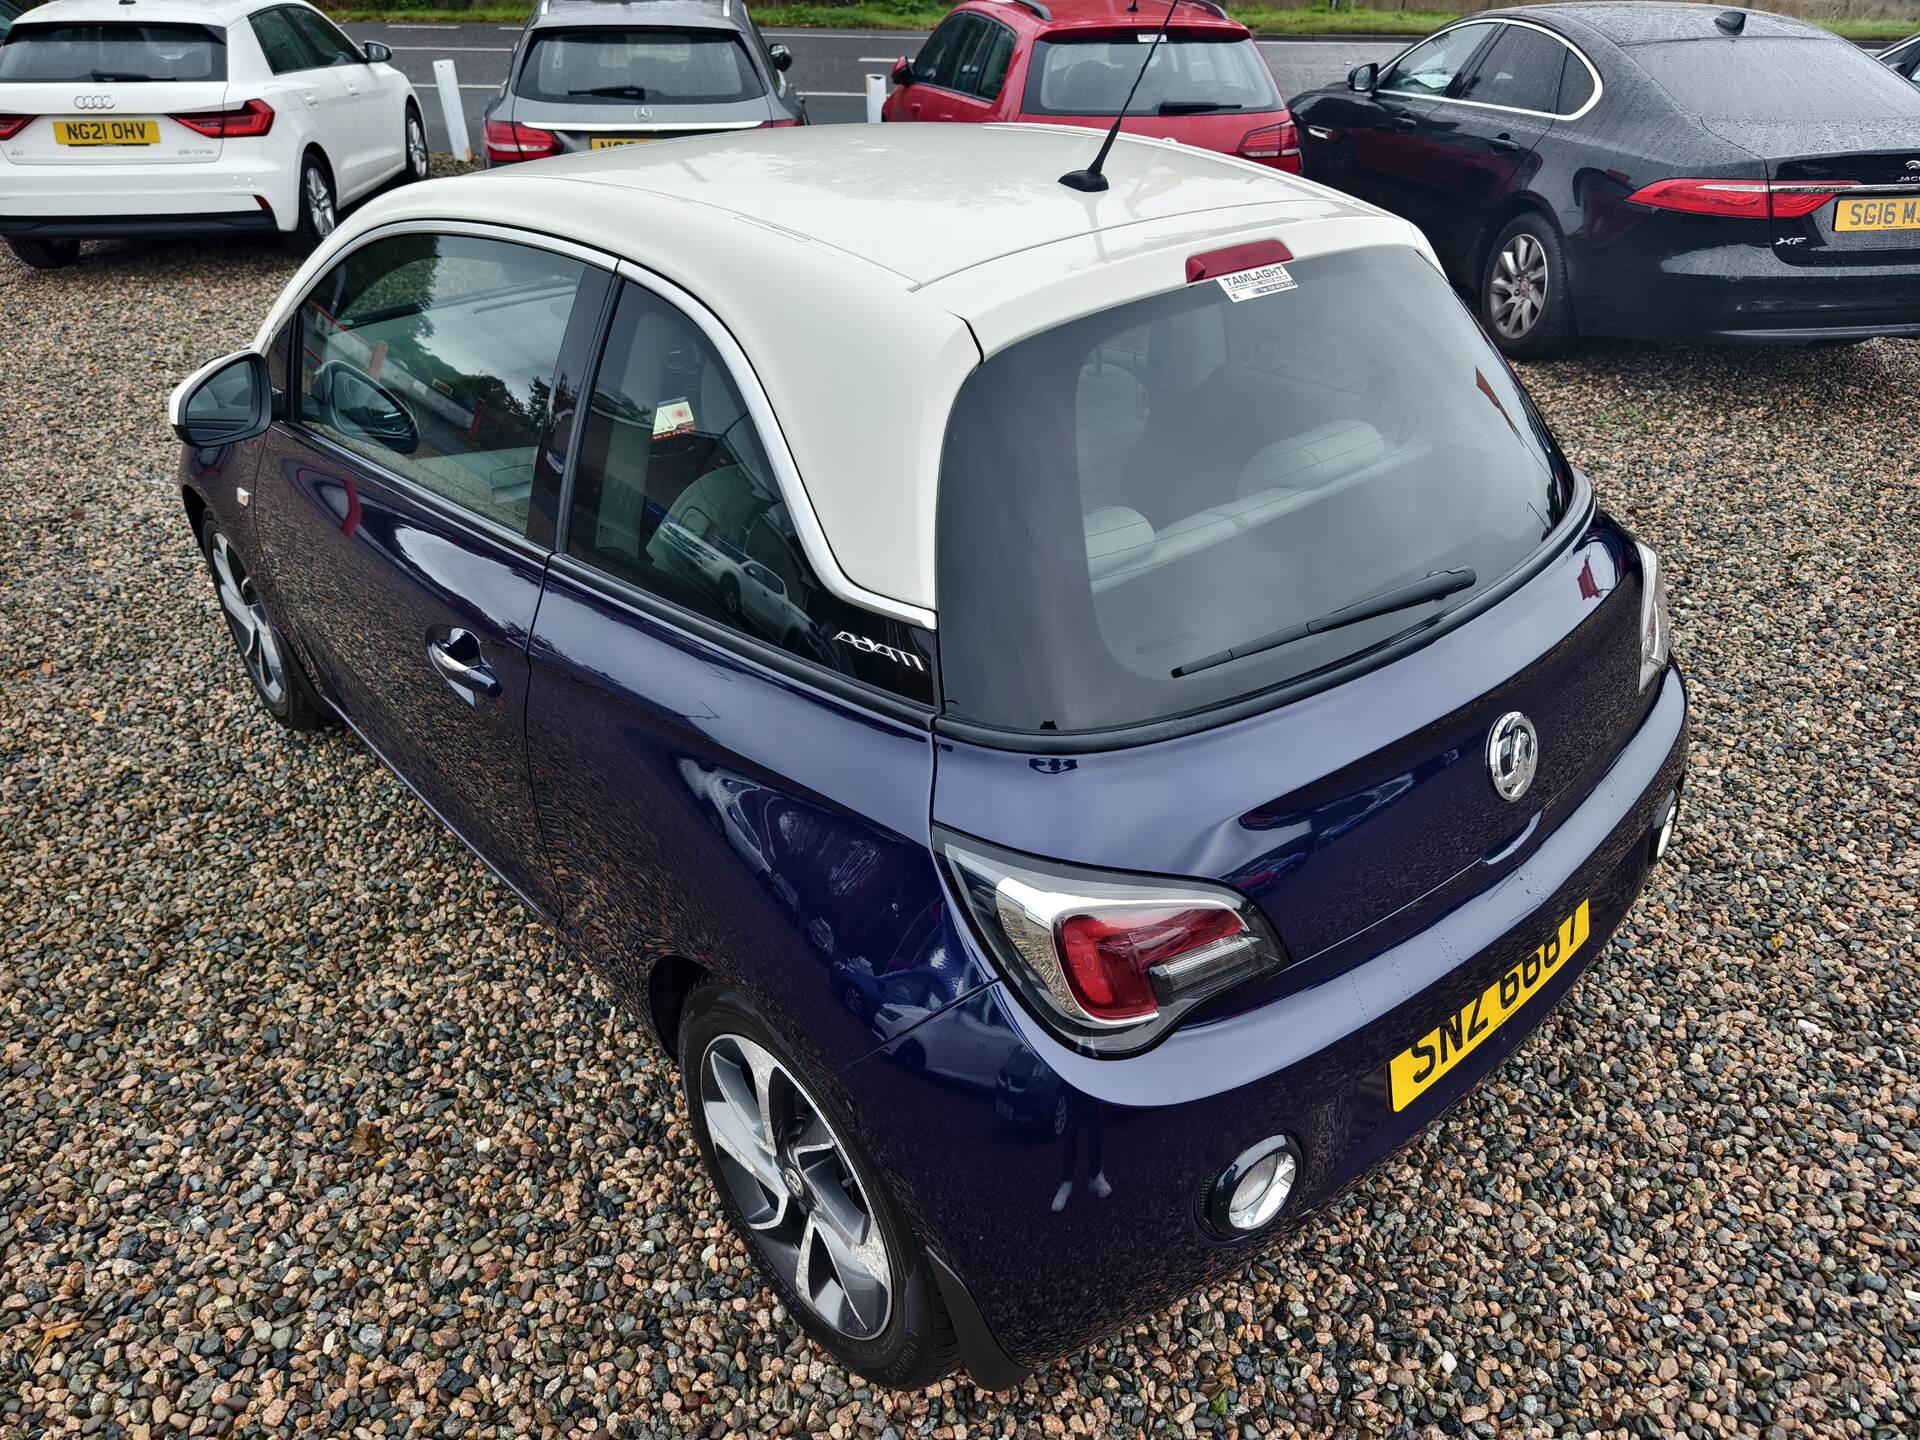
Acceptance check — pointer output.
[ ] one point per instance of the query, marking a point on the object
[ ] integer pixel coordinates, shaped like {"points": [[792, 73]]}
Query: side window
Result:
{"points": [[433, 357], [281, 43], [672, 492], [1431, 69], [1519, 70], [992, 56], [323, 38], [939, 62], [1576, 86]]}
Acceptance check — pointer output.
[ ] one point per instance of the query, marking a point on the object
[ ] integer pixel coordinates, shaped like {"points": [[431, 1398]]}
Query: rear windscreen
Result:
{"points": [[1187, 76], [100, 54], [1156, 483], [638, 67], [1811, 80]]}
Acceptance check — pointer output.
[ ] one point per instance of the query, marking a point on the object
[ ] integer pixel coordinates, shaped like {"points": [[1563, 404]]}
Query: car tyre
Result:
{"points": [[807, 1199], [46, 254], [1526, 304], [415, 161], [269, 660], [319, 204]]}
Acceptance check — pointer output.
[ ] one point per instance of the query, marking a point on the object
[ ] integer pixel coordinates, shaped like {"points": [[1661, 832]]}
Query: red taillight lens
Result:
{"points": [[12, 125], [1108, 954], [253, 118], [509, 140], [781, 124], [1111, 962], [1270, 142], [1738, 199]]}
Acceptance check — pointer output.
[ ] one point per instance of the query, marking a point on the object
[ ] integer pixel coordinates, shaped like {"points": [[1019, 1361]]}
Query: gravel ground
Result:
{"points": [[305, 1126]]}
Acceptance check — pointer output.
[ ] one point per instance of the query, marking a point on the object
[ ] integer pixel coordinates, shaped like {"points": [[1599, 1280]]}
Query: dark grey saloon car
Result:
{"points": [[593, 74]]}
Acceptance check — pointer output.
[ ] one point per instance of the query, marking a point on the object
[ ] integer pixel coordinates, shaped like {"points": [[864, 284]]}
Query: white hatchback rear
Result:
{"points": [[120, 117]]}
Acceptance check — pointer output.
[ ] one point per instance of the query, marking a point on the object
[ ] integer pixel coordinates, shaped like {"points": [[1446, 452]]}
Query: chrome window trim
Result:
{"points": [[1599, 85], [813, 538]]}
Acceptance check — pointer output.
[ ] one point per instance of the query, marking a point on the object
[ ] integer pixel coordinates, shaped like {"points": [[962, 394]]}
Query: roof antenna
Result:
{"points": [[1090, 181], [1731, 21]]}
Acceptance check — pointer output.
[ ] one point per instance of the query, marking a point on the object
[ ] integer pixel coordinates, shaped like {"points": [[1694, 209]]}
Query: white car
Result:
{"points": [[171, 118]]}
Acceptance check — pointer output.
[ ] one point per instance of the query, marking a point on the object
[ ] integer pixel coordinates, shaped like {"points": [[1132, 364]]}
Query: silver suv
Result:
{"points": [[592, 74]]}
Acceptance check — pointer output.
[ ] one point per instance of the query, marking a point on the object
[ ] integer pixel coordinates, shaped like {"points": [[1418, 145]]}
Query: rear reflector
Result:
{"points": [[1738, 199], [509, 140], [253, 118], [12, 125], [1211, 264]]}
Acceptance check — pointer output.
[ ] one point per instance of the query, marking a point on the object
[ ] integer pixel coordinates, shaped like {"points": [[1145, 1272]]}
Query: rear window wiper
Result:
{"points": [[101, 77], [618, 92], [1433, 587], [1195, 107]]}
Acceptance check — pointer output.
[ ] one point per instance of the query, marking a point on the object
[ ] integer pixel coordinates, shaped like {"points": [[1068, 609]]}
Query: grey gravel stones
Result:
{"points": [[305, 1128]]}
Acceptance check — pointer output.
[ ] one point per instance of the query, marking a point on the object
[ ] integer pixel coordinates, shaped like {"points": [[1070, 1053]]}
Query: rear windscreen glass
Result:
{"points": [[100, 54], [1187, 76], [1154, 484], [1807, 80], [638, 67]]}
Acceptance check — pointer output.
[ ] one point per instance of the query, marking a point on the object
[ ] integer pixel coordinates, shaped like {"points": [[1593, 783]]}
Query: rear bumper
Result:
{"points": [[97, 201], [96, 227], [1049, 1270]]}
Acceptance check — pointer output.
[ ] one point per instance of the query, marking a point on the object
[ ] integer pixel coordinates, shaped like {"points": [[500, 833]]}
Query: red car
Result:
{"points": [[1071, 62]]}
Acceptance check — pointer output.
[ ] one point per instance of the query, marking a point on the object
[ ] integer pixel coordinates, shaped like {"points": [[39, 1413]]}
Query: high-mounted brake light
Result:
{"points": [[780, 124], [1211, 264], [1738, 199], [1270, 142], [240, 122], [508, 141], [1108, 962], [12, 125]]}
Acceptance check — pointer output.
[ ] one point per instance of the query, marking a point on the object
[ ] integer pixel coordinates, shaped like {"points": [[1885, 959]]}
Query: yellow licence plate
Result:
{"points": [[607, 142], [1415, 1070], [106, 132], [1880, 213]]}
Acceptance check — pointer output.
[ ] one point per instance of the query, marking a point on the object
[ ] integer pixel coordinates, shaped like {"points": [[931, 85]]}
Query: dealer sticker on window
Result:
{"points": [[1252, 284]]}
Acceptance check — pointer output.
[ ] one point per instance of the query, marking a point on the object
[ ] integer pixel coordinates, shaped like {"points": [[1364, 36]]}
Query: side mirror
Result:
{"points": [[359, 405], [222, 403], [902, 71], [376, 53], [781, 57], [1364, 79]]}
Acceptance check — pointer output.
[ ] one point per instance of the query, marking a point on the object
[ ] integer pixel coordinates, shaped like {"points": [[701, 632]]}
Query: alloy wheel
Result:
{"points": [[416, 147], [1518, 286], [796, 1187], [320, 209], [247, 617]]}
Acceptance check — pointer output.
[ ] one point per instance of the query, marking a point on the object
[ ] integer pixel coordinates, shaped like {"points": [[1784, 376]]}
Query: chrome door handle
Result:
{"points": [[469, 676]]}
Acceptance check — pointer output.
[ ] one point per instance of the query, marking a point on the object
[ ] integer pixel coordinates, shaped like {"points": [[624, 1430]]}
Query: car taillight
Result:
{"points": [[253, 118], [509, 140], [12, 125], [1109, 962], [1739, 199], [1270, 142]]}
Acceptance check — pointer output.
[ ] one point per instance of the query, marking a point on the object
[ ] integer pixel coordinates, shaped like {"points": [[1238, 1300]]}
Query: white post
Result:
{"points": [[450, 110], [876, 97]]}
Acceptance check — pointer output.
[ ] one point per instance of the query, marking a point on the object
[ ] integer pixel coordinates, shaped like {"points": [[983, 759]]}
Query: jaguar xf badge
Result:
{"points": [[1513, 753]]}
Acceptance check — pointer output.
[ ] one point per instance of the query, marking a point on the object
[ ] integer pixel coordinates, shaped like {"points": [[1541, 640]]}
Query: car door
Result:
{"points": [[934, 94], [981, 73], [305, 75], [406, 502], [371, 142], [651, 690], [1482, 136], [1383, 152]]}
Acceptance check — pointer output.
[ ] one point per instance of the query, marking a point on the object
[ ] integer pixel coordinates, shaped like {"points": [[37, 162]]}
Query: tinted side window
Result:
{"points": [[1576, 86], [989, 63], [1431, 69], [939, 63], [1520, 70], [281, 43], [323, 39], [433, 356], [672, 491]]}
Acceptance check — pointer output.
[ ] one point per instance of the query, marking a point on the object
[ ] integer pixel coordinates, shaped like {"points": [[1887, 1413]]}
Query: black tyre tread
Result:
{"points": [[45, 254], [304, 709], [1557, 331], [305, 238], [918, 1359]]}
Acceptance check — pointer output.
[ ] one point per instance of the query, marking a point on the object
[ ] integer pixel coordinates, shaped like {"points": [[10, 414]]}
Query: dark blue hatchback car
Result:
{"points": [[1083, 721]]}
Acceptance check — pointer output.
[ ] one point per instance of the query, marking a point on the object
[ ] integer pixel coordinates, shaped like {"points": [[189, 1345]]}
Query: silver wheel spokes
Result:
{"points": [[1519, 286], [416, 147], [247, 618], [319, 202], [795, 1186]]}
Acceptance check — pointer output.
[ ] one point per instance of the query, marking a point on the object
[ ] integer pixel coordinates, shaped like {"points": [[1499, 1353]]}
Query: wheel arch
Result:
{"points": [[670, 980], [1510, 208]]}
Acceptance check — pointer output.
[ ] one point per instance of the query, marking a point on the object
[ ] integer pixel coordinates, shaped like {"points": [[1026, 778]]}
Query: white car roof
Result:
{"points": [[866, 271], [162, 12]]}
